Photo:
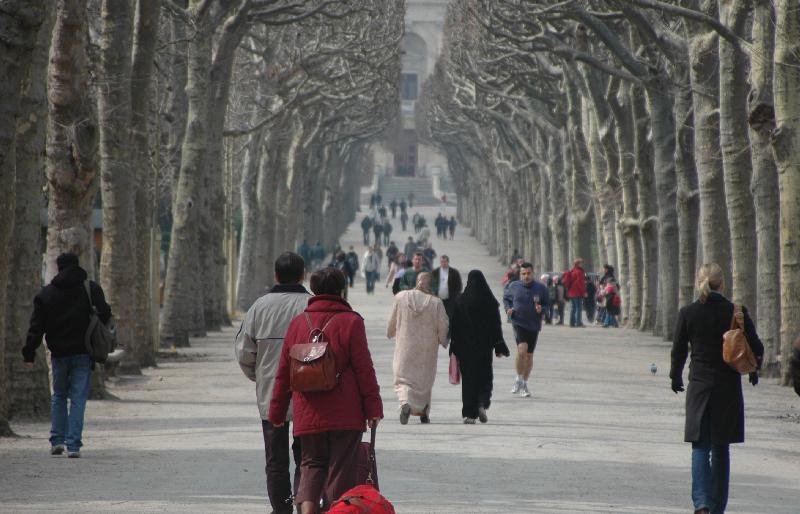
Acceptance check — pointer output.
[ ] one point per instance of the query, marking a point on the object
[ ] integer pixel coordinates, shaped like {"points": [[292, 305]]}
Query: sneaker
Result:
{"points": [[424, 417], [482, 415], [469, 421], [524, 393], [74, 455], [57, 449], [405, 412], [517, 387]]}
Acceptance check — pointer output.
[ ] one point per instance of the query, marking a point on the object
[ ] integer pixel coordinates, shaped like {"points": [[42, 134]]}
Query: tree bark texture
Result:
{"points": [[786, 147], [761, 110], [118, 178], [735, 145], [29, 389]]}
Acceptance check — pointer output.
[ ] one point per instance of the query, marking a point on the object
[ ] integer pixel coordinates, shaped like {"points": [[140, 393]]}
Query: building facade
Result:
{"points": [[405, 155]]}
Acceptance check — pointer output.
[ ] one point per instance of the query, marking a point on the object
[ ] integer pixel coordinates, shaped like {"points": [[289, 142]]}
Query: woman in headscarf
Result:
{"points": [[476, 332]]}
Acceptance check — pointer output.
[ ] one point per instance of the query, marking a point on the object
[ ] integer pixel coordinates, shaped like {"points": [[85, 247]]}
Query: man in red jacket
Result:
{"points": [[575, 284]]}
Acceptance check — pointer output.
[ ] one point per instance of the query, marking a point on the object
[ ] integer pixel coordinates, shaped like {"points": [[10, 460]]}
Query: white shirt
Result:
{"points": [[444, 293]]}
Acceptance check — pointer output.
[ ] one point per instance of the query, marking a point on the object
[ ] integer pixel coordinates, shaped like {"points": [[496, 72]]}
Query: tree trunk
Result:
{"points": [[145, 38], [714, 224], [182, 314], [558, 199], [786, 146], [688, 201], [247, 287], [582, 215], [647, 211], [29, 389], [761, 111], [735, 145], [19, 24], [117, 179]]}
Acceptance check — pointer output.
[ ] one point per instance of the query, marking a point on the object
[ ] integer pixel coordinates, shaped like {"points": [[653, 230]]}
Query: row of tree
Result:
{"points": [[189, 114], [649, 134]]}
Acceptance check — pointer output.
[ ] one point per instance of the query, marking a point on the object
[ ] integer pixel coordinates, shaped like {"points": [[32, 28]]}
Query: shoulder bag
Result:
{"points": [[313, 366], [736, 351]]}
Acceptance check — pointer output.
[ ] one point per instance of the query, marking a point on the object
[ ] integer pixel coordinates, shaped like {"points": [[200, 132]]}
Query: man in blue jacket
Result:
{"points": [[523, 300]]}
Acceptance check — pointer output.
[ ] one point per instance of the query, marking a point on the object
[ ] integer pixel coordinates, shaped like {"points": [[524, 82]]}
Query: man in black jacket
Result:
{"points": [[61, 313]]}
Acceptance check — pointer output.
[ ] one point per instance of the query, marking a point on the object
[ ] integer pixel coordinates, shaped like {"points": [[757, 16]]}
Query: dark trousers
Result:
{"points": [[328, 465], [476, 383], [276, 449]]}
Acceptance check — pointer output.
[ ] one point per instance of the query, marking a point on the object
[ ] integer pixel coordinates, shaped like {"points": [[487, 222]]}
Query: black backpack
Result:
{"points": [[100, 338]]}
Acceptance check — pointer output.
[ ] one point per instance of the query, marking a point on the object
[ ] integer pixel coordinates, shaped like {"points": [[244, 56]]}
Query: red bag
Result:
{"points": [[617, 300], [454, 372], [367, 466], [362, 499]]}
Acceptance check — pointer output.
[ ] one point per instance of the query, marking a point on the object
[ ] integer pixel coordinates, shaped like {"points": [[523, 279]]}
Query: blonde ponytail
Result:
{"points": [[709, 278]]}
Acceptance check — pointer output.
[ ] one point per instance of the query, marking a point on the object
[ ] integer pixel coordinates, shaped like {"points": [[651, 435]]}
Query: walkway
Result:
{"points": [[600, 434]]}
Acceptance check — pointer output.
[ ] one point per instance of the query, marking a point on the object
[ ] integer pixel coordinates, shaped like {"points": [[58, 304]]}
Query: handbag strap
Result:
{"points": [[311, 328], [88, 290], [736, 310]]}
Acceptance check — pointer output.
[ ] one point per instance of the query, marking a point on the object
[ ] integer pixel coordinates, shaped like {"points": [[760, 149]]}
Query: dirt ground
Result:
{"points": [[600, 434]]}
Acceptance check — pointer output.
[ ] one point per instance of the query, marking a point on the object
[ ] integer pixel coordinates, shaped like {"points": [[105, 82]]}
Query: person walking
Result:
{"points": [[317, 255], [409, 279], [387, 231], [61, 312], [366, 225], [330, 423], [377, 229], [352, 260], [403, 219], [372, 266], [259, 343], [523, 300], [391, 253], [410, 248], [419, 324], [794, 366], [475, 334], [714, 404], [393, 207], [396, 271], [590, 303], [561, 299], [304, 251], [575, 284], [429, 255], [451, 227], [447, 284]]}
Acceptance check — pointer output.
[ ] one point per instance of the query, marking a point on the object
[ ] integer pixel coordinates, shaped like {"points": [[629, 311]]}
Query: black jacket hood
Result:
{"points": [[70, 277]]}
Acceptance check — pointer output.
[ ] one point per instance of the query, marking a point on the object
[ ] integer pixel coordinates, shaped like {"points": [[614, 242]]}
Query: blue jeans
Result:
{"points": [[575, 318], [610, 320], [71, 379], [710, 476]]}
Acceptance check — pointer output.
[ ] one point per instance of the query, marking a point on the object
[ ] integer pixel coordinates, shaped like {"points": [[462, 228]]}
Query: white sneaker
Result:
{"points": [[524, 393], [517, 387]]}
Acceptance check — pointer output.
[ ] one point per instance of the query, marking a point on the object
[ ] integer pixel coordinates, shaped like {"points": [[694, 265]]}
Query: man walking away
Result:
{"points": [[352, 259], [393, 207], [377, 228], [258, 350], [366, 225], [403, 219], [523, 300], [447, 284], [61, 312], [387, 231], [410, 248], [575, 283], [451, 226]]}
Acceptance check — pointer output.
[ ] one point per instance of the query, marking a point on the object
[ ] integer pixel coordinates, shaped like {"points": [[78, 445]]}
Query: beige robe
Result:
{"points": [[419, 323]]}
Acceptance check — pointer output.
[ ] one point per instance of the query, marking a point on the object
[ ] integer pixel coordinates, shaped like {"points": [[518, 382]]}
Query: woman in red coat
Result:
{"points": [[329, 424]]}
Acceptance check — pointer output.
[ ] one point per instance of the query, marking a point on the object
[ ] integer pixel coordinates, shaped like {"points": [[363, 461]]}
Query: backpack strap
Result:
{"points": [[311, 327], [88, 290]]}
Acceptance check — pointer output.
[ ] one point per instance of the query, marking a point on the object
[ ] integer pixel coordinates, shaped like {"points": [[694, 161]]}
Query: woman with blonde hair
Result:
{"points": [[714, 404]]}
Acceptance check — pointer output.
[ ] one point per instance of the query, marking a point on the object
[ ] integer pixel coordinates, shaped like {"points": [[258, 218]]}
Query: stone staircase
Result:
{"points": [[400, 187]]}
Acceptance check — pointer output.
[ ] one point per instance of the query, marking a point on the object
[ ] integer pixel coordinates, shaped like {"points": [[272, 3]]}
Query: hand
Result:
{"points": [[753, 377], [278, 425], [510, 312], [538, 308], [677, 385], [501, 354], [29, 365], [373, 423]]}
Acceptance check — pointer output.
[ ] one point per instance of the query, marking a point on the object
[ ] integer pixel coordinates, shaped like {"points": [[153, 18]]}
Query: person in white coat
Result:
{"points": [[419, 324]]}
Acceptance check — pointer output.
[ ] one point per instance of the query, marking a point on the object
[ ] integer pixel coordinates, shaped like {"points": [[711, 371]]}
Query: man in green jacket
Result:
{"points": [[409, 280]]}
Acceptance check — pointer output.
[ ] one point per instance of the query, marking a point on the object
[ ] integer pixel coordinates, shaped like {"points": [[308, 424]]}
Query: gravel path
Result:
{"points": [[600, 434]]}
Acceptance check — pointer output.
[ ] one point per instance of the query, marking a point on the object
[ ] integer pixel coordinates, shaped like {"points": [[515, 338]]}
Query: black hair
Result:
{"points": [[419, 253], [67, 260], [327, 281], [289, 268], [526, 265]]}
